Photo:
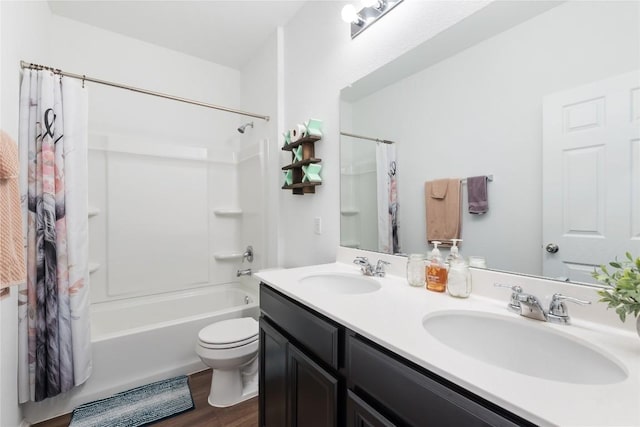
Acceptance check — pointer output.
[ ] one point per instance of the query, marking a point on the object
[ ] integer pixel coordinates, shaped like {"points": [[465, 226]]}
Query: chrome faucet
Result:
{"points": [[245, 272], [368, 269], [248, 254], [531, 307], [528, 305], [379, 271], [558, 312]]}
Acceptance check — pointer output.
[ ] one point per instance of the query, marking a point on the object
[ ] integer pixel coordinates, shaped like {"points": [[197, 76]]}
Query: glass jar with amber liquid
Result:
{"points": [[436, 271]]}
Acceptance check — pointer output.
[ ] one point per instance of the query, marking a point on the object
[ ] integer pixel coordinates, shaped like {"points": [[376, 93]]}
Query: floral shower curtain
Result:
{"points": [[53, 305], [387, 184]]}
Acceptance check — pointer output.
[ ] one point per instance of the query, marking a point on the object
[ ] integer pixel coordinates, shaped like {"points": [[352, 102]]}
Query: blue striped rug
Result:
{"points": [[140, 406]]}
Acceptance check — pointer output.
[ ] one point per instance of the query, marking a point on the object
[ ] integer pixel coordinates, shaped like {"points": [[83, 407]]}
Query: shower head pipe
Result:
{"points": [[244, 126]]}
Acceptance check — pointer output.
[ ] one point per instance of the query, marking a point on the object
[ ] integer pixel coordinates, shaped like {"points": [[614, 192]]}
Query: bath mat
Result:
{"points": [[140, 406]]}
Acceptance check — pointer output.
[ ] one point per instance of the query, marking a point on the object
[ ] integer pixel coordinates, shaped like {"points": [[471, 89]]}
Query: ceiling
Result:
{"points": [[227, 32]]}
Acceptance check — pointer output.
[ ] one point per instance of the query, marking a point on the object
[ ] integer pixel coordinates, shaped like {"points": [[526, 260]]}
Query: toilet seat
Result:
{"points": [[229, 333]]}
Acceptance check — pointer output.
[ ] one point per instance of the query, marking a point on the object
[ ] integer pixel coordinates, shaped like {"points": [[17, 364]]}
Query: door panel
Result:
{"points": [[273, 377], [314, 392], [591, 175]]}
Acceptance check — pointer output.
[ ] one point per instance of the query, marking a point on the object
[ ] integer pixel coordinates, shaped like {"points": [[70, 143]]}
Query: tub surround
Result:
{"points": [[393, 318]]}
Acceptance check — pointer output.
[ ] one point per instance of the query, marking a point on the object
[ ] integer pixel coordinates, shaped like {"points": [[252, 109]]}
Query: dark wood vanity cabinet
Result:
{"points": [[299, 382], [316, 372]]}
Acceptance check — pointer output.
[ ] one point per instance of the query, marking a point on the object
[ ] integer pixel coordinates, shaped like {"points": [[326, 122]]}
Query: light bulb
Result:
{"points": [[349, 14]]}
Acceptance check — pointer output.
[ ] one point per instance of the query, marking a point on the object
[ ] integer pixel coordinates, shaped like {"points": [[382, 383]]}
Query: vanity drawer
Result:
{"points": [[408, 396], [311, 330]]}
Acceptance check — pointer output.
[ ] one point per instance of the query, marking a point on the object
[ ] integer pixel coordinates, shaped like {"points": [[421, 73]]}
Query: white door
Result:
{"points": [[591, 176]]}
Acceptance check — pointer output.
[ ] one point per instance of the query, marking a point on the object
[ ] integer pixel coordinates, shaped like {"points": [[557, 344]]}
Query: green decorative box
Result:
{"points": [[311, 173], [288, 177], [314, 127]]}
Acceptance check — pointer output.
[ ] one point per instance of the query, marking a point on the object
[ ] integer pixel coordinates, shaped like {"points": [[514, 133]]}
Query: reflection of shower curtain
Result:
{"points": [[53, 306], [386, 170]]}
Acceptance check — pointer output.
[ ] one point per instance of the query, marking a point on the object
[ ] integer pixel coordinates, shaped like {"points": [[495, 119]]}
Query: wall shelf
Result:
{"points": [[301, 141], [228, 256], [93, 267], [302, 187], [92, 211], [301, 163], [308, 157], [231, 212], [351, 244]]}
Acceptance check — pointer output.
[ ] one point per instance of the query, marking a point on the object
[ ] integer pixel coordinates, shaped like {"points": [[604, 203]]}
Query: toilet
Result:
{"points": [[230, 348]]}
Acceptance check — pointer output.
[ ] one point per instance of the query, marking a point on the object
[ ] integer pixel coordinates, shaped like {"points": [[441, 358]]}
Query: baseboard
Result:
{"points": [[25, 423]]}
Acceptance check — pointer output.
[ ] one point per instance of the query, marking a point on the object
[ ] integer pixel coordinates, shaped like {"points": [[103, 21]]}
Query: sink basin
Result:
{"points": [[524, 346], [341, 283]]}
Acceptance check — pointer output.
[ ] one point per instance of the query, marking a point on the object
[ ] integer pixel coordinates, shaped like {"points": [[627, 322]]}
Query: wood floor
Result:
{"points": [[244, 414]]}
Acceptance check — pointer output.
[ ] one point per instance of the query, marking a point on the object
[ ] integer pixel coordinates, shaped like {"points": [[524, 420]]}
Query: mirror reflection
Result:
{"points": [[542, 96]]}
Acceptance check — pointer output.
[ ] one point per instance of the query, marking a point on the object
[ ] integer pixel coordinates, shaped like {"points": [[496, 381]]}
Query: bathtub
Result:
{"points": [[140, 340]]}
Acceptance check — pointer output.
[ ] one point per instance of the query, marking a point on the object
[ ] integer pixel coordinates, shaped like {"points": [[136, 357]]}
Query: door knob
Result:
{"points": [[552, 248]]}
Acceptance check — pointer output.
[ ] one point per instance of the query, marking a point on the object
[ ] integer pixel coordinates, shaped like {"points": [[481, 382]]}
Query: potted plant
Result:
{"points": [[623, 287]]}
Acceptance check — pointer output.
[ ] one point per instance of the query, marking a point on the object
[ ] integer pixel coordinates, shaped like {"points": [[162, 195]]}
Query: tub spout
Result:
{"points": [[245, 272]]}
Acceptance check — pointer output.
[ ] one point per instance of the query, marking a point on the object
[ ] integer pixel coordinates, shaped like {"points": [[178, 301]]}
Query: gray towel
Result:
{"points": [[477, 194]]}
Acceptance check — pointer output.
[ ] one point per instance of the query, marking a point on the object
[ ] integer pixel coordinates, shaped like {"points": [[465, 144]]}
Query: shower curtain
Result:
{"points": [[386, 170], [53, 306]]}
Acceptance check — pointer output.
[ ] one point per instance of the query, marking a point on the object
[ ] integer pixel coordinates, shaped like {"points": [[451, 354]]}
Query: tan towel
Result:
{"points": [[442, 200], [12, 266]]}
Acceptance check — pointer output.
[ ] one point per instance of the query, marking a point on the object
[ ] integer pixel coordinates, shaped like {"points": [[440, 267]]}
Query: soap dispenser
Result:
{"points": [[454, 254], [436, 271], [459, 278]]}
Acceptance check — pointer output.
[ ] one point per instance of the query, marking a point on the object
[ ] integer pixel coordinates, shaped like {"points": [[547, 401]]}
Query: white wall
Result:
{"points": [[24, 29], [480, 112], [143, 125], [89, 50], [320, 59]]}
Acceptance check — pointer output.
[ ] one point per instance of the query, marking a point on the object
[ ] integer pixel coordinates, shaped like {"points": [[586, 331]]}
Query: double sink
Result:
{"points": [[507, 341]]}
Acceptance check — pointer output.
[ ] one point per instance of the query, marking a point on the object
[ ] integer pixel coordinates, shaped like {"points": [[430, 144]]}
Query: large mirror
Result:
{"points": [[542, 96]]}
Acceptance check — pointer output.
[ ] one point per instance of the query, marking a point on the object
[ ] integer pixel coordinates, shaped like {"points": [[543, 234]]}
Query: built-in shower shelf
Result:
{"points": [[92, 211], [93, 267], [350, 244], [228, 256], [227, 212], [350, 212]]}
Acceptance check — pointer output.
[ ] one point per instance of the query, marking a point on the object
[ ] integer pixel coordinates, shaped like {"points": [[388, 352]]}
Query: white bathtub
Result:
{"points": [[141, 340], [136, 315]]}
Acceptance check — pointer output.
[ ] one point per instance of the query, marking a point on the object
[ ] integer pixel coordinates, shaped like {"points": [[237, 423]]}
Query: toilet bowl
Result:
{"points": [[230, 348]]}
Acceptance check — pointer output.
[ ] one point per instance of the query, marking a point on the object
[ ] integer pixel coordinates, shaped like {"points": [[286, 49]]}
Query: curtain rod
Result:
{"points": [[385, 141], [32, 66]]}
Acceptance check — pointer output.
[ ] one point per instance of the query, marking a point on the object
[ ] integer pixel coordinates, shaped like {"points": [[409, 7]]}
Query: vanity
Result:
{"points": [[338, 348]]}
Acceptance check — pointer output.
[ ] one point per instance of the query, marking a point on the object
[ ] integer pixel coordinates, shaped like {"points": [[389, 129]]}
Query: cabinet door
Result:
{"points": [[314, 392], [359, 414], [273, 377]]}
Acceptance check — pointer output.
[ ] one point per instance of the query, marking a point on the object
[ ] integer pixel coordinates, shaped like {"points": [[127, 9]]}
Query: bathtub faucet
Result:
{"points": [[245, 272]]}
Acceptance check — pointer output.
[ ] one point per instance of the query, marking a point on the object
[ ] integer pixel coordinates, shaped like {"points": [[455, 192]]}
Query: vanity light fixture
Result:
{"points": [[371, 11]]}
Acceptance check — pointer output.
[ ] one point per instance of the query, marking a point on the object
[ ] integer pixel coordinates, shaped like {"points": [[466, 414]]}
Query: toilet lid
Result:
{"points": [[230, 331]]}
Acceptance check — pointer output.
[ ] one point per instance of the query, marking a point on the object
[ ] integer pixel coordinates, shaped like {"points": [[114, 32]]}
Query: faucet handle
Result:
{"points": [[514, 304], [380, 267], [360, 260], [558, 312]]}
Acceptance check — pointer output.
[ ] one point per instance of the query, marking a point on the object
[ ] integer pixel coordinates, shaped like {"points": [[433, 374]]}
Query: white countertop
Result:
{"points": [[393, 315]]}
